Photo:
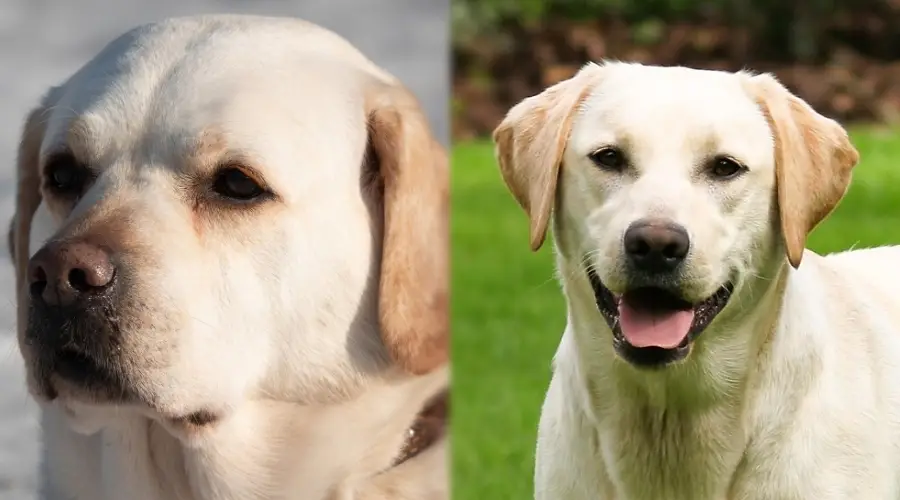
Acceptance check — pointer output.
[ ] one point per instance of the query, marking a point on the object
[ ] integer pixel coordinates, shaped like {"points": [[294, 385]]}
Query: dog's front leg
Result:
{"points": [[568, 465]]}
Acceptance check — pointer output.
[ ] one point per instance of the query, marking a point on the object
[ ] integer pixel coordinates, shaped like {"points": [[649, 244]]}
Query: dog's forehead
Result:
{"points": [[674, 109], [161, 89]]}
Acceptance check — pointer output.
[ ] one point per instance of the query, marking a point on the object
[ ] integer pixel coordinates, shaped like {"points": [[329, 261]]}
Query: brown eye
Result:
{"points": [[235, 184], [65, 175], [608, 158], [725, 168]]}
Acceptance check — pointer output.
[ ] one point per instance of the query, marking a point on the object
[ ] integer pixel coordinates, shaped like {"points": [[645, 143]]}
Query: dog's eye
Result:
{"points": [[608, 158], [65, 175], [235, 184], [725, 168]]}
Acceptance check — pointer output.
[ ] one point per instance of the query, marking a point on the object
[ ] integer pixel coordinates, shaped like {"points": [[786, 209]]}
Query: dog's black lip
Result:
{"points": [[197, 419], [704, 313], [76, 366]]}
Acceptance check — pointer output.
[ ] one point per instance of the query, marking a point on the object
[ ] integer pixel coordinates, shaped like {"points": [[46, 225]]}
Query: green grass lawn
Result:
{"points": [[508, 312]]}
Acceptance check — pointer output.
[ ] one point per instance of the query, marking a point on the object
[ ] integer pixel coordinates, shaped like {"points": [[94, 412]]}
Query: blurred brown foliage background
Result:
{"points": [[842, 56]]}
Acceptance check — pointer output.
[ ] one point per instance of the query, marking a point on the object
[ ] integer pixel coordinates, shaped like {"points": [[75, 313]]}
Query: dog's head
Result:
{"points": [[200, 222], [670, 187]]}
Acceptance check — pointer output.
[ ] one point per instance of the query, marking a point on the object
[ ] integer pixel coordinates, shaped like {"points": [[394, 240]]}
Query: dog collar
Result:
{"points": [[428, 427]]}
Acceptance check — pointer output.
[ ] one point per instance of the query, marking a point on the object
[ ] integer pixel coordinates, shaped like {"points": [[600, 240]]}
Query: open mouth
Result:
{"points": [[654, 326]]}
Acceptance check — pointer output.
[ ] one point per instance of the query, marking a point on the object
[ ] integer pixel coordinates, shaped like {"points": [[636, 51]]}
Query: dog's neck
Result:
{"points": [[265, 449], [675, 432], [717, 370]]}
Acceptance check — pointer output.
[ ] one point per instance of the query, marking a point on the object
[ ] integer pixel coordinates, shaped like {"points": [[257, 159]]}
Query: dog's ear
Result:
{"points": [[414, 288], [28, 192], [814, 159], [530, 142]]}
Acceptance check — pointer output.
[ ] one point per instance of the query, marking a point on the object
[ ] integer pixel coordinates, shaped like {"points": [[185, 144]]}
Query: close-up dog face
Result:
{"points": [[670, 174], [209, 225], [667, 195], [672, 189]]}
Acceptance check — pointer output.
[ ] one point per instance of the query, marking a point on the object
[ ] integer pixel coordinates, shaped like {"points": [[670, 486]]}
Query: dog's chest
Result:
{"points": [[150, 469], [141, 458], [652, 454]]}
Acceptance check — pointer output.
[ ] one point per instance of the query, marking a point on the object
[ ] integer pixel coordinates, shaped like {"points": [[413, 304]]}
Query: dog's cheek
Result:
{"points": [[569, 232], [202, 325], [755, 227], [581, 223]]}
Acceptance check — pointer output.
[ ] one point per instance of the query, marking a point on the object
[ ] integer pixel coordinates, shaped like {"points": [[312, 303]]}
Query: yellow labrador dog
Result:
{"points": [[231, 251], [707, 356]]}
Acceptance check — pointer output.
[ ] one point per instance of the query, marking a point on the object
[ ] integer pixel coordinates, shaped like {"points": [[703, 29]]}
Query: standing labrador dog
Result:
{"points": [[232, 255], [702, 360]]}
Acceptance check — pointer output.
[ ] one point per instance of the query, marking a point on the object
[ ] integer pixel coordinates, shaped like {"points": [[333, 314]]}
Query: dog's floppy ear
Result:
{"points": [[813, 161], [530, 142], [28, 192], [415, 265]]}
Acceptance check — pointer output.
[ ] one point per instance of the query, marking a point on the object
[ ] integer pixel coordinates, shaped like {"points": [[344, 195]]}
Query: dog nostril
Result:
{"points": [[672, 251], [78, 280], [641, 247], [38, 281], [637, 247], [88, 280]]}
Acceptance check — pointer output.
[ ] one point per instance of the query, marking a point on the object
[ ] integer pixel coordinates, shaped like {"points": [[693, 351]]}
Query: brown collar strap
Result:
{"points": [[428, 427]]}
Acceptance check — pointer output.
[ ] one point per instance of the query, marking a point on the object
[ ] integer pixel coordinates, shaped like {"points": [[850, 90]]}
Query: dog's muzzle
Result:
{"points": [[652, 323], [72, 330], [653, 327]]}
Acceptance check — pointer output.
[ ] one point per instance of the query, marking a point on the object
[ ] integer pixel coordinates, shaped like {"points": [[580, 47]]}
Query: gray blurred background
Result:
{"points": [[43, 41]]}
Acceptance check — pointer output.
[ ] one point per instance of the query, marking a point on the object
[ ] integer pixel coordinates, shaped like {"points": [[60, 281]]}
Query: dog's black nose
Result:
{"points": [[62, 273], [656, 245]]}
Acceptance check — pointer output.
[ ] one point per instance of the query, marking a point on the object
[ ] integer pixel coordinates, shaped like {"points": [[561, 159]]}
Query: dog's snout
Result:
{"points": [[61, 273], [656, 245]]}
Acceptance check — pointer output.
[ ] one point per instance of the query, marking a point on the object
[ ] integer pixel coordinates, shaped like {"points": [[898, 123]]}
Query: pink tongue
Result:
{"points": [[650, 329]]}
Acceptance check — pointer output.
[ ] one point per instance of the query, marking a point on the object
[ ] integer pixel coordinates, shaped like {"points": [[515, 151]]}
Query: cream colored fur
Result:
{"points": [[792, 392], [313, 325]]}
